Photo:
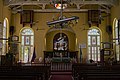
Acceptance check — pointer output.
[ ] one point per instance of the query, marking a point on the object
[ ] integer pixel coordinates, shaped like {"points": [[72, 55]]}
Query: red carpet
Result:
{"points": [[61, 77]]}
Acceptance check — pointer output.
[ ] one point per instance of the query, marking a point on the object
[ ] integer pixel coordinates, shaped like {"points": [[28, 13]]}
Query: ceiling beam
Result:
{"points": [[16, 4], [19, 2], [56, 10], [16, 7]]}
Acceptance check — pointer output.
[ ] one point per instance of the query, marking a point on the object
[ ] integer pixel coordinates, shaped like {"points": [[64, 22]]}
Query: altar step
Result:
{"points": [[61, 73]]}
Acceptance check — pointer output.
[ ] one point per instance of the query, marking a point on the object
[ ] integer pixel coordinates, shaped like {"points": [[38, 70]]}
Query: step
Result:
{"points": [[61, 73]]}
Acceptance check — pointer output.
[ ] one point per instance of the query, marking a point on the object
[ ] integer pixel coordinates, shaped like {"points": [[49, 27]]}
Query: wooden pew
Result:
{"points": [[25, 72], [99, 75], [94, 72]]}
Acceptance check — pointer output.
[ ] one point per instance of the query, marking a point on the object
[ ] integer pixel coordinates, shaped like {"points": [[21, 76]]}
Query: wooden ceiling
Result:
{"points": [[72, 5]]}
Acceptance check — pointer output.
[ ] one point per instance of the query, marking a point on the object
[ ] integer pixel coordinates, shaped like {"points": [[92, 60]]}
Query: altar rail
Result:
{"points": [[95, 72], [55, 66]]}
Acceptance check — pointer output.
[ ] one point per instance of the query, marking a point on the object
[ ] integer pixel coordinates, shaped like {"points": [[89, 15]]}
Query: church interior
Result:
{"points": [[59, 39]]}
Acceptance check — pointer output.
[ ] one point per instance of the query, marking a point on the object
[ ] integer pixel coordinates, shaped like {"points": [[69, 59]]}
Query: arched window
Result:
{"points": [[5, 36], [27, 44], [94, 44], [115, 36]]}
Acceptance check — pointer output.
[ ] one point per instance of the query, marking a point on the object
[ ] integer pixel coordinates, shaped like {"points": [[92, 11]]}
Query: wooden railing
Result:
{"points": [[61, 66]]}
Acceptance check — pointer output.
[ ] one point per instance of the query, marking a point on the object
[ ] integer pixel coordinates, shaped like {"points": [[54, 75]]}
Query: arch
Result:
{"points": [[94, 40], [95, 27], [66, 30], [27, 44], [5, 36]]}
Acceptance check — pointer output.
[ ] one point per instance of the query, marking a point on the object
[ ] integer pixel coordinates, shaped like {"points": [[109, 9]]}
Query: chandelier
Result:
{"points": [[62, 21], [58, 6]]}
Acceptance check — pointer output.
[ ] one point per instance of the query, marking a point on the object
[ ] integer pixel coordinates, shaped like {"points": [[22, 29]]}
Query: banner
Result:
{"points": [[34, 55], [80, 54]]}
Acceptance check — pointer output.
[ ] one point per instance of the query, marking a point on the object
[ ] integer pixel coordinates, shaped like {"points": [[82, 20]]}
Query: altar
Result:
{"points": [[60, 56], [63, 59], [61, 52]]}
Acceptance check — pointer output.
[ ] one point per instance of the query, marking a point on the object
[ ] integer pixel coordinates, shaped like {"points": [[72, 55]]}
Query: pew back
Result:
{"points": [[94, 72], [25, 72]]}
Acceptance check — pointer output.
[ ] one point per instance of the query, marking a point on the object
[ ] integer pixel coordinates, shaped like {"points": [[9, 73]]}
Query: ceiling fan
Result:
{"points": [[39, 29], [33, 23], [101, 17], [84, 28], [106, 14]]}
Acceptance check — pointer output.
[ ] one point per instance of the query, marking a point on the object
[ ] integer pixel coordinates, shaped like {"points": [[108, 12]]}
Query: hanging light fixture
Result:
{"points": [[62, 21], [58, 6]]}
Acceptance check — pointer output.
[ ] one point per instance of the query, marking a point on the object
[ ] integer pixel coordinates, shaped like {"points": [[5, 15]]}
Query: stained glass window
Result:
{"points": [[89, 40], [27, 40], [27, 44], [94, 44], [116, 41], [5, 25], [98, 38], [60, 42], [116, 31], [94, 40]]}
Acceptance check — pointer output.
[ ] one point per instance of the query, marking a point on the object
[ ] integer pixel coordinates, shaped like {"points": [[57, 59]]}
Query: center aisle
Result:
{"points": [[61, 77]]}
